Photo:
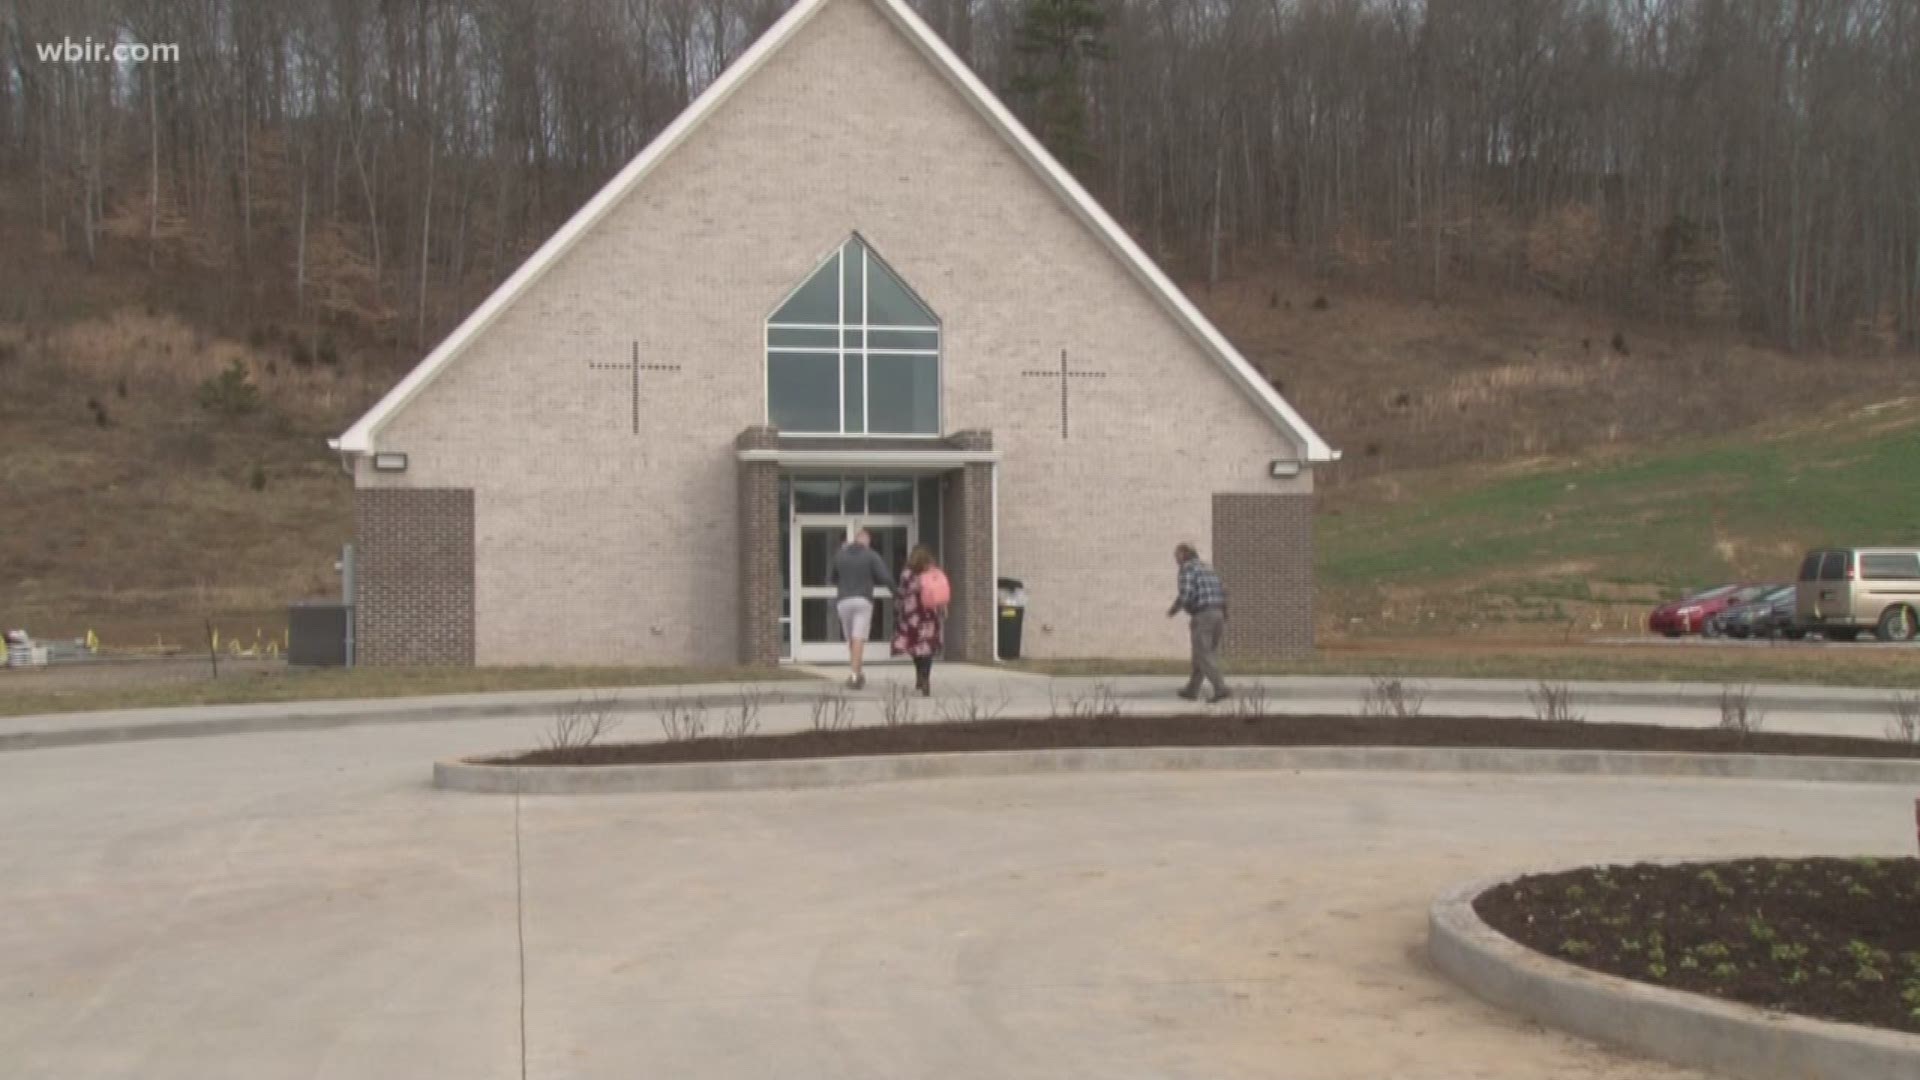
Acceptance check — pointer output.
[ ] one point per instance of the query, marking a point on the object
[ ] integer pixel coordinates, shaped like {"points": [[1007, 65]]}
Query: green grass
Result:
{"points": [[1677, 518], [1865, 668], [334, 684]]}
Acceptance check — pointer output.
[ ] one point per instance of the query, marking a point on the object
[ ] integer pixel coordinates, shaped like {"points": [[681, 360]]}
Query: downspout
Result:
{"points": [[993, 623], [347, 555]]}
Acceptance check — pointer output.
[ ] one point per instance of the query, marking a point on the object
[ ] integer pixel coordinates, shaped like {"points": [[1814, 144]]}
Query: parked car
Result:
{"points": [[1770, 614], [1692, 613], [1843, 591]]}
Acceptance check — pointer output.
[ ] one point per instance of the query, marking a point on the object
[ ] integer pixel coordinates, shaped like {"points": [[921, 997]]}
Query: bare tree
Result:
{"points": [[1752, 164]]}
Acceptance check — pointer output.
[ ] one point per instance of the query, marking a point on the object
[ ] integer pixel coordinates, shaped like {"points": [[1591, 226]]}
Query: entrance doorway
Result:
{"points": [[824, 514], [815, 540]]}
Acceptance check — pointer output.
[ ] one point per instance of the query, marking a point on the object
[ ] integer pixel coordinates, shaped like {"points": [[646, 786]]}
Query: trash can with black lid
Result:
{"points": [[1012, 610]]}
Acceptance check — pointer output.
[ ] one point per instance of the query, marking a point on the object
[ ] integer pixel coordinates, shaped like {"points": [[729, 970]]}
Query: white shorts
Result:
{"points": [[856, 618]]}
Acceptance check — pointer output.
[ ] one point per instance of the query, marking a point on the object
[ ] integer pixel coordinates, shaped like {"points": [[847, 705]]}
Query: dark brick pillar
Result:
{"points": [[968, 520], [413, 576], [759, 550], [1263, 549]]}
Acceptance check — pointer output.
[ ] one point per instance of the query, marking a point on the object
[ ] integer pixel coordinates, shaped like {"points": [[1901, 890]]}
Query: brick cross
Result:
{"points": [[635, 367], [1066, 377]]}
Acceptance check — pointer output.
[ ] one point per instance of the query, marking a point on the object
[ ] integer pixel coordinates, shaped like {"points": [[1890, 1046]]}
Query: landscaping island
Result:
{"points": [[1834, 939], [1118, 731]]}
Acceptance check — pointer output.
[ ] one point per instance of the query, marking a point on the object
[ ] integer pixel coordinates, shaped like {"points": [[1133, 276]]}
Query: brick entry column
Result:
{"points": [[1263, 549], [413, 576], [968, 548], [759, 604]]}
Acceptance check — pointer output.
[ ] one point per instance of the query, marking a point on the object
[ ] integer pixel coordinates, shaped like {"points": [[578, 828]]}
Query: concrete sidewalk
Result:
{"points": [[966, 691]]}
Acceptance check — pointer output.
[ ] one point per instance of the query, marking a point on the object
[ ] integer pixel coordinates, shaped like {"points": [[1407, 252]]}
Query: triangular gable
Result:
{"points": [[359, 438]]}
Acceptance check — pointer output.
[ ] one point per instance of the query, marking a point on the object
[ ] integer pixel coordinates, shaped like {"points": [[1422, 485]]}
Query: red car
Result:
{"points": [[1690, 614]]}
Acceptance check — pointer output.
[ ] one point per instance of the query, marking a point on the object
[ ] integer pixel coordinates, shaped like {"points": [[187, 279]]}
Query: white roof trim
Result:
{"points": [[359, 438], [911, 459]]}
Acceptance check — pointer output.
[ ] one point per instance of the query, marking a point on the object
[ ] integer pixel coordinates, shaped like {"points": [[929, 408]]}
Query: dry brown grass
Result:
{"points": [[1499, 379], [145, 525]]}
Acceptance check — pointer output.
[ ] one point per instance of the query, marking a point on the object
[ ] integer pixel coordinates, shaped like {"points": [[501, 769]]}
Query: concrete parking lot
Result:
{"points": [[304, 905]]}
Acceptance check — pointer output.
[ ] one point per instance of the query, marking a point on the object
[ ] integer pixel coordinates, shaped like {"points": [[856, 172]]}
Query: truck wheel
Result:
{"points": [[1896, 624]]}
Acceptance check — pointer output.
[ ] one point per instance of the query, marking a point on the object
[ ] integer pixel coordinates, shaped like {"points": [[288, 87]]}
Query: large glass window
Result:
{"points": [[853, 352]]}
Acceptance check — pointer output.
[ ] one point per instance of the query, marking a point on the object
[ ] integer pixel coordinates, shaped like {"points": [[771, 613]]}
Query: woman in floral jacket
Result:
{"points": [[917, 629]]}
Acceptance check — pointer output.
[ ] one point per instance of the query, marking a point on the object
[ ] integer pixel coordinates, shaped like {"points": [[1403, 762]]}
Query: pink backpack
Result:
{"points": [[935, 590]]}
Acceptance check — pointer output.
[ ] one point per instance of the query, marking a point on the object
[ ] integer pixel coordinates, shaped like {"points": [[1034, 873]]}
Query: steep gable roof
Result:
{"points": [[359, 439]]}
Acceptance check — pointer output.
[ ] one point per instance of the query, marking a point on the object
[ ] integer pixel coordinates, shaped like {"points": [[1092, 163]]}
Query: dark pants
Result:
{"points": [[1207, 627], [923, 670]]}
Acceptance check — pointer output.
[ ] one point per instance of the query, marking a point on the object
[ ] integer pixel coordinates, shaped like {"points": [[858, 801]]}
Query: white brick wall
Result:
{"points": [[593, 545]]}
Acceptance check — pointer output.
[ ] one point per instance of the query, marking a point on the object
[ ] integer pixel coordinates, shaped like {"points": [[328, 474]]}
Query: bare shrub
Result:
{"points": [[1554, 702], [1100, 703], [581, 723], [1392, 697], [897, 705], [1252, 701], [684, 720], [831, 712], [1738, 712], [970, 706], [742, 719], [1904, 726]]}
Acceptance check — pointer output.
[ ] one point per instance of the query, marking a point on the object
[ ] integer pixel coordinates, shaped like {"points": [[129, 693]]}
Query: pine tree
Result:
{"points": [[1055, 40]]}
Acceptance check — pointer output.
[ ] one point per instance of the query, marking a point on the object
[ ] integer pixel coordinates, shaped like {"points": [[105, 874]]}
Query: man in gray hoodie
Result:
{"points": [[856, 572]]}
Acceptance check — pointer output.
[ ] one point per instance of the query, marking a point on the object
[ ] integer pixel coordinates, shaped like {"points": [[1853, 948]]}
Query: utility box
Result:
{"points": [[317, 634]]}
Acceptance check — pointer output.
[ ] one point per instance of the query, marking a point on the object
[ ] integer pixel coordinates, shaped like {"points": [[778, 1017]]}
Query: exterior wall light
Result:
{"points": [[389, 462], [1284, 469]]}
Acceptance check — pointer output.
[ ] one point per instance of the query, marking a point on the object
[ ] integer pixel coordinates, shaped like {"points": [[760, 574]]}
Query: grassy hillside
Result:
{"points": [[1585, 544]]}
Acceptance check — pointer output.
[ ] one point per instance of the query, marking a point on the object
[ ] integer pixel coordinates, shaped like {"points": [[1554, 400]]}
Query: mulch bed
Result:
{"points": [[1837, 939], [1211, 730]]}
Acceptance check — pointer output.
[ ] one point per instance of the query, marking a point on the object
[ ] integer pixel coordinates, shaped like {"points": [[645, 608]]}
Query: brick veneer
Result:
{"points": [[413, 576], [1263, 549], [967, 520], [760, 552]]}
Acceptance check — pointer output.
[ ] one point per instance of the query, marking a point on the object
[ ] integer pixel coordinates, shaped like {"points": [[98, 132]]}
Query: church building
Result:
{"points": [[844, 289]]}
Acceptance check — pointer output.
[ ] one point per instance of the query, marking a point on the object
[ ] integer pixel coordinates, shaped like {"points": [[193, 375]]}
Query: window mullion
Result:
{"points": [[866, 376], [840, 358]]}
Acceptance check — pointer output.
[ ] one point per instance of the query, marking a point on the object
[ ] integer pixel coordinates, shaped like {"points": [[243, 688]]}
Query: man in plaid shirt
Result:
{"points": [[1204, 600]]}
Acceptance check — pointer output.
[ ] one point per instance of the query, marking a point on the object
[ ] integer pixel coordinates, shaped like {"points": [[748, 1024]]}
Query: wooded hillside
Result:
{"points": [[379, 164]]}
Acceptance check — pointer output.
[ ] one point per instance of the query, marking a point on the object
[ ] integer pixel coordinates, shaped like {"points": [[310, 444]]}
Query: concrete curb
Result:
{"points": [[469, 775], [1671, 1025]]}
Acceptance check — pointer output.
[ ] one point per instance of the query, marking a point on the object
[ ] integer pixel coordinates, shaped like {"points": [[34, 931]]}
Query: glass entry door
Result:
{"points": [[816, 538]]}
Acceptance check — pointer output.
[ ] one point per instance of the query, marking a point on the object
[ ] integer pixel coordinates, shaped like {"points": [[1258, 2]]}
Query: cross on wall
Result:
{"points": [[635, 367], [1066, 377]]}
